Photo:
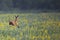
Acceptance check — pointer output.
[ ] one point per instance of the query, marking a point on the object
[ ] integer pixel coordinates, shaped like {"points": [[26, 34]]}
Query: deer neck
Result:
{"points": [[16, 20]]}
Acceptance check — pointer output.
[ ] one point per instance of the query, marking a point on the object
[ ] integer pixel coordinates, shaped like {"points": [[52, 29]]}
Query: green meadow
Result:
{"points": [[42, 26]]}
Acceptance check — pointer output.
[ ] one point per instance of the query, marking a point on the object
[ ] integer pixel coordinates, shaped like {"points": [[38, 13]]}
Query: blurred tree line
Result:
{"points": [[30, 4]]}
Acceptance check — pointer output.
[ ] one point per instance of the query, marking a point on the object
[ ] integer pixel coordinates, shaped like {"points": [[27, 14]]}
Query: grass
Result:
{"points": [[31, 27]]}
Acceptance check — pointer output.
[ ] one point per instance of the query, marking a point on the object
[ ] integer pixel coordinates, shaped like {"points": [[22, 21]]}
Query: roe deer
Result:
{"points": [[14, 22]]}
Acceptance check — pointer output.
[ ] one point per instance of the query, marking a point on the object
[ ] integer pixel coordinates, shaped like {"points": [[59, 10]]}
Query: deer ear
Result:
{"points": [[16, 15]]}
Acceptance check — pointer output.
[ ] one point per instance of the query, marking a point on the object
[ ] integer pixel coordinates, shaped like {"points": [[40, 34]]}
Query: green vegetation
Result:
{"points": [[31, 27]]}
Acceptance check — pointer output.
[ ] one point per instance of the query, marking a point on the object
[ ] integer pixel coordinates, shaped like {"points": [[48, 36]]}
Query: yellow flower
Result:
{"points": [[48, 37], [21, 34], [9, 38], [33, 37], [42, 37], [1, 24], [13, 38], [46, 31]]}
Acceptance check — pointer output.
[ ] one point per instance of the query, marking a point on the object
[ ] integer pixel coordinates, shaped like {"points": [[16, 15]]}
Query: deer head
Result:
{"points": [[16, 17]]}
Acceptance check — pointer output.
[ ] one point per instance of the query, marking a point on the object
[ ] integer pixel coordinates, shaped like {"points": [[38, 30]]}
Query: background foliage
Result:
{"points": [[29, 4]]}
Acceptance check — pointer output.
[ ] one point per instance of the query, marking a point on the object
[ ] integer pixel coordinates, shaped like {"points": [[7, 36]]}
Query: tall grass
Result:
{"points": [[31, 27]]}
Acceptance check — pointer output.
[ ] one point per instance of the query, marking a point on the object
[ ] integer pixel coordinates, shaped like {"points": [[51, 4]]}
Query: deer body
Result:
{"points": [[14, 22]]}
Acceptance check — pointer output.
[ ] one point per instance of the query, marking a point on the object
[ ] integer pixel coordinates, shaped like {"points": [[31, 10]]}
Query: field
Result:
{"points": [[42, 26]]}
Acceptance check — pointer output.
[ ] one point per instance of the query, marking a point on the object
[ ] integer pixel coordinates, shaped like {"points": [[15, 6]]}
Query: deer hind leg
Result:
{"points": [[10, 23]]}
